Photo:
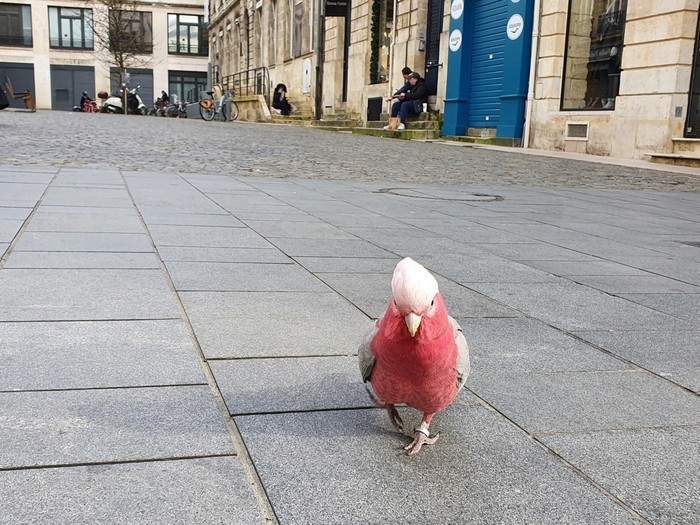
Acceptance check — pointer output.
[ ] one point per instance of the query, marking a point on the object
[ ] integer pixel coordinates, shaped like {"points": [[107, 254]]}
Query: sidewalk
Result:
{"points": [[180, 348]]}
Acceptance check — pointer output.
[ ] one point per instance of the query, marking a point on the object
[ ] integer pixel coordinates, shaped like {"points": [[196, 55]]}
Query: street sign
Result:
{"points": [[336, 7]]}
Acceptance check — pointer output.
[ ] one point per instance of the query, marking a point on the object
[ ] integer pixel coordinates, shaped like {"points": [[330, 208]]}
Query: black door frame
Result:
{"points": [[347, 22], [692, 129], [436, 8]]}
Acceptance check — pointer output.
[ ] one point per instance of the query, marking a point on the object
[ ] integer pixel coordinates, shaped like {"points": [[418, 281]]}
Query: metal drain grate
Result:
{"points": [[454, 196]]}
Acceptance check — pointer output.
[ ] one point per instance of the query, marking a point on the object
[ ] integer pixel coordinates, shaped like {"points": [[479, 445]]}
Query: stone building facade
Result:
{"points": [[615, 77], [48, 46], [361, 61]]}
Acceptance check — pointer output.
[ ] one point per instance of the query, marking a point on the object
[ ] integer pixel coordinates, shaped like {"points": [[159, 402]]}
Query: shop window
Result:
{"points": [[187, 85], [592, 64], [380, 40], [70, 28], [15, 25], [187, 35]]}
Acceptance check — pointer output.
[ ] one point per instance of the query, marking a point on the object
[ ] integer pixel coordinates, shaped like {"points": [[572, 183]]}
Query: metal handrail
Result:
{"points": [[250, 82]]}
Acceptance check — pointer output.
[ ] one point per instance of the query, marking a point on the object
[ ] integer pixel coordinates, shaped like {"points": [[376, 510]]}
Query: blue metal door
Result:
{"points": [[487, 62]]}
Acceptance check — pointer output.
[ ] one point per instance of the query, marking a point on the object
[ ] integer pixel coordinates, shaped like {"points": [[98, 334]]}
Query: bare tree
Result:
{"points": [[124, 35]]}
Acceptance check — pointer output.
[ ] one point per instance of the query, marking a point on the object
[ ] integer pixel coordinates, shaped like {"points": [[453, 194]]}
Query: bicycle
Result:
{"points": [[209, 108]]}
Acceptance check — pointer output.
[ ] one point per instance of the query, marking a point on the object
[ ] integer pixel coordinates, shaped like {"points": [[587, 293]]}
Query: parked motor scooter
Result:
{"points": [[134, 103]]}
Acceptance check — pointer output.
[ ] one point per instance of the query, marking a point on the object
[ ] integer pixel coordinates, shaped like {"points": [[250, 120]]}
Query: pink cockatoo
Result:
{"points": [[416, 353]]}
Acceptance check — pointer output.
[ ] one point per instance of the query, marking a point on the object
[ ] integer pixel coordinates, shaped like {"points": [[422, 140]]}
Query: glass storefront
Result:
{"points": [[187, 85]]}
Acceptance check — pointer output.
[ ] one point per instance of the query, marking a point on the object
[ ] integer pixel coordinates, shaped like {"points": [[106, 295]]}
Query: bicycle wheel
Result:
{"points": [[207, 109], [234, 111]]}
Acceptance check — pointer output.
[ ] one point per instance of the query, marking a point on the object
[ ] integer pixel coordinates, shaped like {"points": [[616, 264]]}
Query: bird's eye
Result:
{"points": [[432, 303]]}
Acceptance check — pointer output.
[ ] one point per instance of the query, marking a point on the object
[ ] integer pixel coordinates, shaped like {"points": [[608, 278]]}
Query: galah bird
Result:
{"points": [[416, 353]]}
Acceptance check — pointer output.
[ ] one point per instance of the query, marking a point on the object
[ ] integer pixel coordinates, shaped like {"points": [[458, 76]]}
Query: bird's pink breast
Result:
{"points": [[419, 373]]}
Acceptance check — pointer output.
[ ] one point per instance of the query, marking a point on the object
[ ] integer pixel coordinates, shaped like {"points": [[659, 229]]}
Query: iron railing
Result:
{"points": [[251, 82]]}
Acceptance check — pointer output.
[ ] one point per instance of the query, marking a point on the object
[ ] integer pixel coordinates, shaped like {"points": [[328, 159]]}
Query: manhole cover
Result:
{"points": [[440, 195], [694, 244]]}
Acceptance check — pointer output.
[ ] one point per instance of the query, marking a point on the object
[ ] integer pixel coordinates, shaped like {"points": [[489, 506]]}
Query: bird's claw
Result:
{"points": [[420, 439], [395, 418]]}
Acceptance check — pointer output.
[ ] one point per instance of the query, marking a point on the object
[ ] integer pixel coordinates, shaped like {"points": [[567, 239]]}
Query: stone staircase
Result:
{"points": [[686, 152], [304, 116], [425, 126], [485, 136]]}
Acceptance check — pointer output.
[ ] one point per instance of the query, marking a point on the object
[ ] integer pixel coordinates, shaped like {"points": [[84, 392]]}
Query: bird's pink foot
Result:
{"points": [[420, 438], [395, 418]]}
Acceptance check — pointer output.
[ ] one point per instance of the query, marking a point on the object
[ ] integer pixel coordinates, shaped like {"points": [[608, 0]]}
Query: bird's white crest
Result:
{"points": [[412, 286]]}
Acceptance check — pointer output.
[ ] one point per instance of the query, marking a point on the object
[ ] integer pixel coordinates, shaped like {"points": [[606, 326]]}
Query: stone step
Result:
{"points": [[430, 115], [493, 141], [676, 159], [412, 124], [407, 134], [338, 123], [686, 145]]}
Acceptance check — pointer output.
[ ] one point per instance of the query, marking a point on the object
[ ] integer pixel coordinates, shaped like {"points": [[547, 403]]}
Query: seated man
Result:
{"points": [[412, 101]]}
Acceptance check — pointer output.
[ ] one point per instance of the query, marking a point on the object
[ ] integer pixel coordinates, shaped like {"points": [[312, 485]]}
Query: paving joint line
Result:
{"points": [[631, 510], [115, 462], [242, 452], [84, 388]]}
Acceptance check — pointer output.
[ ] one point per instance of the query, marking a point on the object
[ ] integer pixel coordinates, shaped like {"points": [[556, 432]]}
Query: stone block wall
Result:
{"points": [[657, 60]]}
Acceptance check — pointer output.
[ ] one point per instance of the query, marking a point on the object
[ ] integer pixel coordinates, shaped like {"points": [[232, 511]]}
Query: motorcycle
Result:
{"points": [[178, 109], [160, 105], [134, 103], [87, 105]]}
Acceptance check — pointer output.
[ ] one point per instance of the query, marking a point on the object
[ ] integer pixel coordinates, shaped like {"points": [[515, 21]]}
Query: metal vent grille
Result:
{"points": [[577, 130]]}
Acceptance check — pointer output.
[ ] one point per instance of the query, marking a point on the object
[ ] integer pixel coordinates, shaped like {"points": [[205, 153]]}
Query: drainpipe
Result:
{"points": [[534, 56], [320, 57], [391, 52]]}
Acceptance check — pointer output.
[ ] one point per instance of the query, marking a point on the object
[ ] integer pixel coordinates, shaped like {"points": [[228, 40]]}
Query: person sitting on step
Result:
{"points": [[279, 100], [412, 101]]}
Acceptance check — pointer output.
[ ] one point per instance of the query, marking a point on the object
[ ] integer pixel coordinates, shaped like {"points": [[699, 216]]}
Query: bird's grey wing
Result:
{"points": [[365, 355], [463, 363]]}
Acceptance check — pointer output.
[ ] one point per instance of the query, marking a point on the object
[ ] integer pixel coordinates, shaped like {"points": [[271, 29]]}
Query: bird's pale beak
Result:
{"points": [[412, 322]]}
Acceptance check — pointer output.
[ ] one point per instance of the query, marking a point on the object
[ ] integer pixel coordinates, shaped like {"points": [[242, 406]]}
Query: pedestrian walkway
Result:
{"points": [[180, 348]]}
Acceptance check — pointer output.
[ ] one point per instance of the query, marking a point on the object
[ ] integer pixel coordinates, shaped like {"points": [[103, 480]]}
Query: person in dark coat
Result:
{"points": [[279, 100], [412, 101]]}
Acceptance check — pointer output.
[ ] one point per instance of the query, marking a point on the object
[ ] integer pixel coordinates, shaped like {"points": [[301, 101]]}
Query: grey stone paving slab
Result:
{"points": [[370, 293], [55, 221], [20, 195], [683, 305], [652, 470], [96, 354], [102, 197], [348, 264], [207, 236], [87, 426], [292, 384], [677, 268], [504, 346], [236, 255], [14, 213], [489, 472], [25, 177], [575, 307], [8, 229], [534, 252], [47, 295], [586, 401], [470, 269], [193, 219], [620, 284], [298, 230], [84, 242], [233, 324], [329, 248], [243, 277], [85, 260], [672, 354], [3, 247], [275, 214], [565, 268]]}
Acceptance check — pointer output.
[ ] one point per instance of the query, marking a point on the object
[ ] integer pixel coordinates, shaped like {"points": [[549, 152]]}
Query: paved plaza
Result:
{"points": [[181, 303]]}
